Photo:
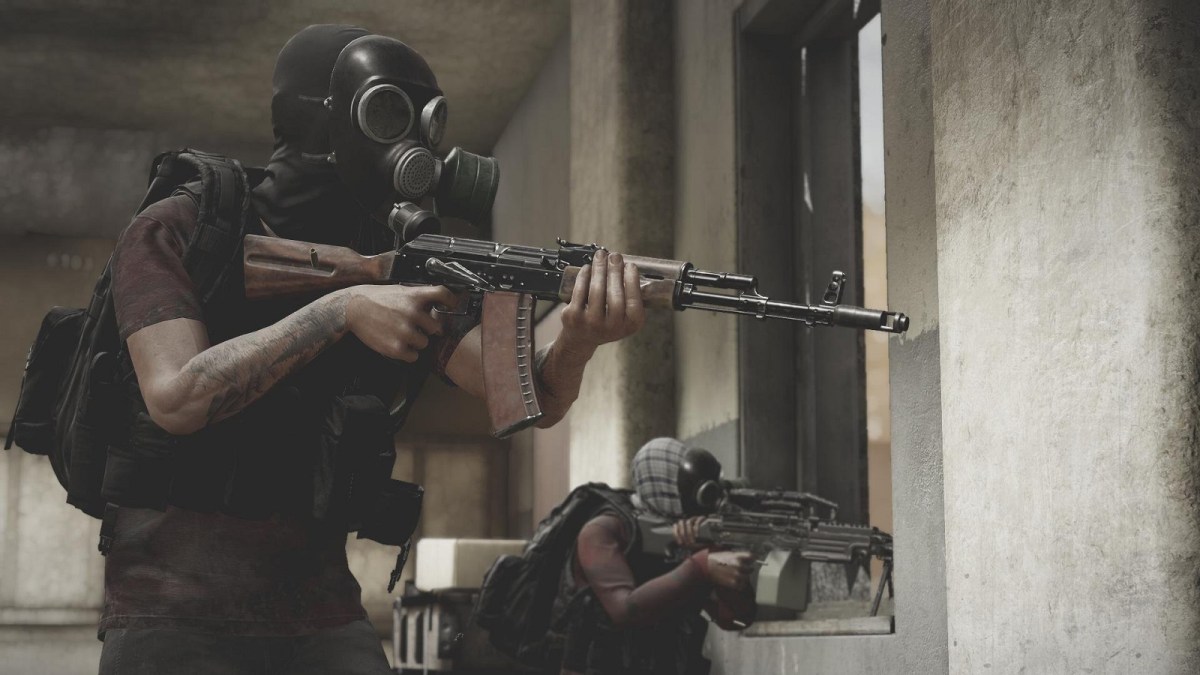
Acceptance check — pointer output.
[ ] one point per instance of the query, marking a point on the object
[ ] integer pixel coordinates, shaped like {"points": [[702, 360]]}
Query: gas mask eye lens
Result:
{"points": [[384, 113], [433, 121]]}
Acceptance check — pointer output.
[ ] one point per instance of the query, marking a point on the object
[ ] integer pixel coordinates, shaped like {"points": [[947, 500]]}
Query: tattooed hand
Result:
{"points": [[396, 321]]}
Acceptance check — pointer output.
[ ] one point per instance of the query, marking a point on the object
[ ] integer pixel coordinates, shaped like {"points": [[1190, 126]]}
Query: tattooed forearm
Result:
{"points": [[234, 374]]}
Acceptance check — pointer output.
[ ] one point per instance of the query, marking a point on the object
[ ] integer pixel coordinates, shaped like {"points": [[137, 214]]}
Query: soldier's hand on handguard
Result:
{"points": [[397, 321], [730, 569], [606, 304], [685, 532]]}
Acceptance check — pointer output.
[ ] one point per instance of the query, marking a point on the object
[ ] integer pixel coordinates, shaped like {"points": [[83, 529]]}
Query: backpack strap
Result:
{"points": [[219, 187], [223, 203]]}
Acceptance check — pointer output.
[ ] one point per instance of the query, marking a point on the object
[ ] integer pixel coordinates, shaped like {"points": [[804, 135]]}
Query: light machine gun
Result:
{"points": [[505, 280], [785, 532]]}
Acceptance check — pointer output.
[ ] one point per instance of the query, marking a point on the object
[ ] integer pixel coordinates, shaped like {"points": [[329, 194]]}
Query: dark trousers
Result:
{"points": [[352, 649]]}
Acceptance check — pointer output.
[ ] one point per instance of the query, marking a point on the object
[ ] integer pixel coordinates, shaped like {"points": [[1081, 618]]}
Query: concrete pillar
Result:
{"points": [[1067, 159], [622, 182], [706, 222]]}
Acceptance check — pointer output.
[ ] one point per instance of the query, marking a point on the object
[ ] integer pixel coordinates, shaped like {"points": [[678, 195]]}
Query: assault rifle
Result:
{"points": [[505, 280], [785, 532]]}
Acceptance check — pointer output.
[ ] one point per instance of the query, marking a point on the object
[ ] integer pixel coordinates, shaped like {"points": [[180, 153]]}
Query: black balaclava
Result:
{"points": [[301, 196]]}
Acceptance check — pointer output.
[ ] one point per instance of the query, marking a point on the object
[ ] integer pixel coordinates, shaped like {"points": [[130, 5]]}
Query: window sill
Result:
{"points": [[829, 618]]}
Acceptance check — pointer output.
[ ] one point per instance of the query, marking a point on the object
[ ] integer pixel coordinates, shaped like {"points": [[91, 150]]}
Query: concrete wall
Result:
{"points": [[86, 182], [705, 232], [205, 70], [37, 272], [1067, 160], [534, 150], [622, 186], [51, 576]]}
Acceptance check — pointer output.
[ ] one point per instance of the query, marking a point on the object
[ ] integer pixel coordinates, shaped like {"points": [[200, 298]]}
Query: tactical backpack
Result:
{"points": [[518, 602], [74, 393]]}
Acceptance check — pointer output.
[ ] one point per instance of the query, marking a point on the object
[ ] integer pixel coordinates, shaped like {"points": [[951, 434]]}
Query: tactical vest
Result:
{"points": [[318, 444]]}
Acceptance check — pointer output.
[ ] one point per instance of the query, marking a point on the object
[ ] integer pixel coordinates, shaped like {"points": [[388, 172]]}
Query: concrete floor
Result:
{"points": [[59, 650], [53, 650]]}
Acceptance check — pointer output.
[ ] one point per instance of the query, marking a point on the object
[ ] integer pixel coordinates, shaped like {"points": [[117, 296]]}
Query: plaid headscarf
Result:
{"points": [[656, 477]]}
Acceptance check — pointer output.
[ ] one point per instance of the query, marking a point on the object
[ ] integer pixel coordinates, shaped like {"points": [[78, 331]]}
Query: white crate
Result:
{"points": [[444, 564]]}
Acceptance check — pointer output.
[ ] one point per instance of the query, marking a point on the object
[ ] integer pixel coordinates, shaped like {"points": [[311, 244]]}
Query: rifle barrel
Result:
{"points": [[762, 307]]}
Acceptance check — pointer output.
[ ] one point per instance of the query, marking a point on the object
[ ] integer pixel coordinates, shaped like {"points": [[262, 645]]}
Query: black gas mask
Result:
{"points": [[699, 480], [387, 117]]}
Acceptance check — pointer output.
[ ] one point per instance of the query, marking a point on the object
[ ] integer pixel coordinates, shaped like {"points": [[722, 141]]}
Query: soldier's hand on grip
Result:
{"points": [[685, 532], [397, 321], [730, 569]]}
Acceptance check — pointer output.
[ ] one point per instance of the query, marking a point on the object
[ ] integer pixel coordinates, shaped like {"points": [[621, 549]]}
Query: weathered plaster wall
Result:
{"points": [[86, 182], [705, 220], [38, 525], [51, 577], [205, 69], [622, 185], [534, 150], [1067, 159]]}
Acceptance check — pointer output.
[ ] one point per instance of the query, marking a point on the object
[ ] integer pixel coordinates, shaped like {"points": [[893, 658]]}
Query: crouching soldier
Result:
{"points": [[629, 612]]}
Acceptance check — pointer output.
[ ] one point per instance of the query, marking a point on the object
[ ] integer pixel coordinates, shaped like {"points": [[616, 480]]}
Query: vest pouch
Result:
{"points": [[201, 472], [354, 460], [392, 518], [138, 472], [46, 367], [95, 427]]}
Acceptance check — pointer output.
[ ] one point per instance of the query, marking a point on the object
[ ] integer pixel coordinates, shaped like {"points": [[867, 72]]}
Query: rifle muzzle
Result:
{"points": [[870, 319]]}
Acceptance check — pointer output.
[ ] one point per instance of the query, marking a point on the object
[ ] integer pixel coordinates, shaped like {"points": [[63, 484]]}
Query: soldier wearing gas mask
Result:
{"points": [[640, 614], [237, 564]]}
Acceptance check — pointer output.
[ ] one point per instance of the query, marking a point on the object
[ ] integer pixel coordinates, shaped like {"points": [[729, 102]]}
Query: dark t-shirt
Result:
{"points": [[207, 571]]}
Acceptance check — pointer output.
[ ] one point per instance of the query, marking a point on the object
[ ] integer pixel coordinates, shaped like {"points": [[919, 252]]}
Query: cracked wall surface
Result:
{"points": [[1068, 256]]}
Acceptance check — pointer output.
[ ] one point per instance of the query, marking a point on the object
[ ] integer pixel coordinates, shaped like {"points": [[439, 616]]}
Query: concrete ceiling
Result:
{"points": [[203, 69]]}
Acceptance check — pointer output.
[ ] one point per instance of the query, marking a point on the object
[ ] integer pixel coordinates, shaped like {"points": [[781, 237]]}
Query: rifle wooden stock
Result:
{"points": [[277, 267]]}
